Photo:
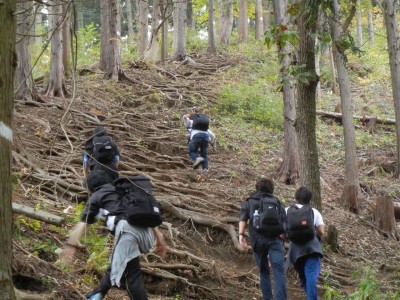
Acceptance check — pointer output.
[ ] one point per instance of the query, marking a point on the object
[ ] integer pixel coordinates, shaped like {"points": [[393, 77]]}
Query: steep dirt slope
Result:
{"points": [[143, 116]]}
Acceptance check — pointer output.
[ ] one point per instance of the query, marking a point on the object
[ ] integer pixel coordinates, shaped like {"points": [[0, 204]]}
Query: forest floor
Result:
{"points": [[143, 115]]}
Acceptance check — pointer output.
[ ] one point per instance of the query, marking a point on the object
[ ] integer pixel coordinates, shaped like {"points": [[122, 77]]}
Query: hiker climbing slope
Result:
{"points": [[101, 153], [200, 136]]}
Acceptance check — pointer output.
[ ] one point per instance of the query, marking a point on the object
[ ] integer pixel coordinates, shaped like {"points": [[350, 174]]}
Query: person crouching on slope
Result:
{"points": [[130, 241], [200, 137]]}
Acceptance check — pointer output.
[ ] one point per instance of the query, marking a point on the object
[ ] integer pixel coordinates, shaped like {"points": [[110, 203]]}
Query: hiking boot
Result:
{"points": [[204, 172], [97, 296], [197, 162]]}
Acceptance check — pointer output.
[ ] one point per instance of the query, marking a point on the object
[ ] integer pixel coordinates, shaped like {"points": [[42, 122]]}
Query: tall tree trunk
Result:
{"points": [[179, 41], [38, 23], [359, 26], [243, 35], [55, 86], [114, 70], [143, 23], [371, 30], [152, 53], [104, 34], [189, 15], [259, 20], [350, 191], [288, 170], [212, 48], [7, 66], [24, 86], [79, 14], [129, 18], [306, 21], [266, 15], [66, 40], [225, 20], [389, 13], [164, 30]]}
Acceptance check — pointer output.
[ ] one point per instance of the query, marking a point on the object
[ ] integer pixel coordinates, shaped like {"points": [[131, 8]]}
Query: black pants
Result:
{"points": [[132, 281]]}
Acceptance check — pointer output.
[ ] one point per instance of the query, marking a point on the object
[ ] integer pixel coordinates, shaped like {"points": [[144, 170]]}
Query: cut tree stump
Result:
{"points": [[37, 214], [332, 238], [384, 216]]}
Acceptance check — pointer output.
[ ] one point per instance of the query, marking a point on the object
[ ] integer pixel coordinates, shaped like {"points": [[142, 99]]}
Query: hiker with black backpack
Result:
{"points": [[305, 230], [101, 153], [200, 136], [267, 222], [130, 240]]}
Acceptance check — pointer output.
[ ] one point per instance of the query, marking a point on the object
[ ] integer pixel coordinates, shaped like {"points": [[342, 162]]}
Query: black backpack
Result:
{"points": [[301, 227], [269, 219], [103, 149], [201, 122], [141, 208]]}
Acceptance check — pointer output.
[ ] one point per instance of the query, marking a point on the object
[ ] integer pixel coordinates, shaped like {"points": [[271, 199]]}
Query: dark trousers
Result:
{"points": [[132, 281], [110, 168]]}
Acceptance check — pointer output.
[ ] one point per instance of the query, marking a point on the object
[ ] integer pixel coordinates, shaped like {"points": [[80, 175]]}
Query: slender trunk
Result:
{"points": [[259, 21], [79, 14], [288, 170], [143, 20], [129, 18], [164, 34], [152, 53], [38, 23], [305, 109], [266, 15], [105, 34], [8, 63], [389, 13], [350, 191], [243, 35], [333, 69], [212, 48], [114, 65], [55, 86], [179, 42], [371, 33], [225, 20], [359, 26], [66, 40]]}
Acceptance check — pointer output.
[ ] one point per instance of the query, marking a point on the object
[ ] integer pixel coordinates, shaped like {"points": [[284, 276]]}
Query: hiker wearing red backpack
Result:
{"points": [[130, 240], [200, 136], [101, 153], [305, 230], [267, 221]]}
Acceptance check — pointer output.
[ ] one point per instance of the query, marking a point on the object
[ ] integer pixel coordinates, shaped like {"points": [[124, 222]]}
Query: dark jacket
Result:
{"points": [[249, 206], [297, 251], [107, 198]]}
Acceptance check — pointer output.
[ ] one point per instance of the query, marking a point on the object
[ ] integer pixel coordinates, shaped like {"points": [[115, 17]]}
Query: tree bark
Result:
{"points": [[288, 170], [179, 41], [143, 23], [38, 23], [259, 20], [384, 216], [66, 40], [225, 20], [152, 53], [306, 22], [389, 13], [114, 70], [359, 26], [350, 191], [24, 86], [371, 30], [243, 35], [266, 14], [105, 34], [129, 18], [7, 67], [212, 48], [56, 86], [164, 30]]}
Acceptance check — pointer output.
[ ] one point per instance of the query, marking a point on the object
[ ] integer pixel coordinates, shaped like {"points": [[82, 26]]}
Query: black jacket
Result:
{"points": [[107, 198], [249, 206]]}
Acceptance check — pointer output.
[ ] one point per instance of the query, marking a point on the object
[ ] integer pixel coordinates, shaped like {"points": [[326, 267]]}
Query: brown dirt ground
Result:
{"points": [[143, 116]]}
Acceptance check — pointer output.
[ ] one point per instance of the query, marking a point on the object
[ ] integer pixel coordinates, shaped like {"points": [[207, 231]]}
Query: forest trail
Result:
{"points": [[144, 118]]}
